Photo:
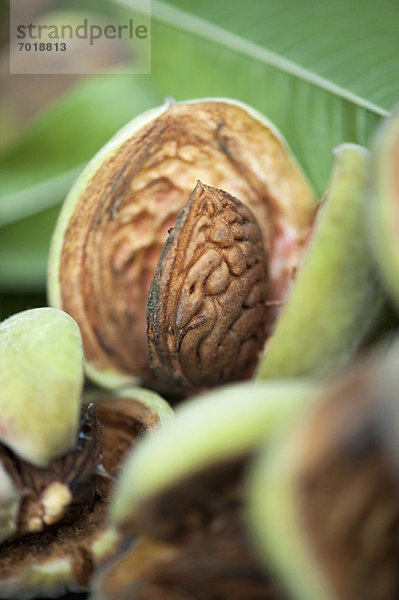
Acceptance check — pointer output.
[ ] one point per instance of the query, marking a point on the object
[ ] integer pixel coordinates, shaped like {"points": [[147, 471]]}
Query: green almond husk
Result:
{"points": [[275, 523], [360, 411], [383, 203], [150, 400], [336, 297], [219, 425], [41, 378]]}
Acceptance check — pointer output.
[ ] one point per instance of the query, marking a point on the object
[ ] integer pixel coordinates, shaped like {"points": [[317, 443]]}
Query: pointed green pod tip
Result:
{"points": [[275, 523], [383, 202], [335, 298], [41, 377]]}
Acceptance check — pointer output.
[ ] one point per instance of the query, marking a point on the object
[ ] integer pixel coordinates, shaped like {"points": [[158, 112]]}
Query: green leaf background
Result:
{"points": [[324, 72]]}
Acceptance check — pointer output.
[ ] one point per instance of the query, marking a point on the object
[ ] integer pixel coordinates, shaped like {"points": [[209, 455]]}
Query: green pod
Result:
{"points": [[383, 203], [323, 499], [335, 298], [41, 375], [225, 423], [181, 491]]}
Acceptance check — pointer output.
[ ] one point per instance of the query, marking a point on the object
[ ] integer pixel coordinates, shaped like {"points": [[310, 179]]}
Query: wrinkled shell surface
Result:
{"points": [[115, 221], [207, 312]]}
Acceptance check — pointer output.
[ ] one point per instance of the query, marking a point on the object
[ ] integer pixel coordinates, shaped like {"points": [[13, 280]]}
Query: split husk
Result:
{"points": [[114, 223], [182, 492], [324, 498], [58, 459]]}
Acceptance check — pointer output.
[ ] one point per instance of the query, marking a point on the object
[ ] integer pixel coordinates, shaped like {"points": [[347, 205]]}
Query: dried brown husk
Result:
{"points": [[348, 494], [75, 474], [63, 554], [194, 544], [323, 498], [115, 222]]}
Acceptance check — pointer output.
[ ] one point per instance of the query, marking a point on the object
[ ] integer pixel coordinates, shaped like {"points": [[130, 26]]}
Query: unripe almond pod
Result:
{"points": [[323, 499], [207, 430], [336, 296], [58, 458], [41, 378], [182, 491], [383, 202]]}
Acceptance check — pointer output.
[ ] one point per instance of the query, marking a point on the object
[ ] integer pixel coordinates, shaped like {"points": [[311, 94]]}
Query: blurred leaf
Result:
{"points": [[348, 47], [289, 61], [324, 72], [23, 251], [38, 170]]}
